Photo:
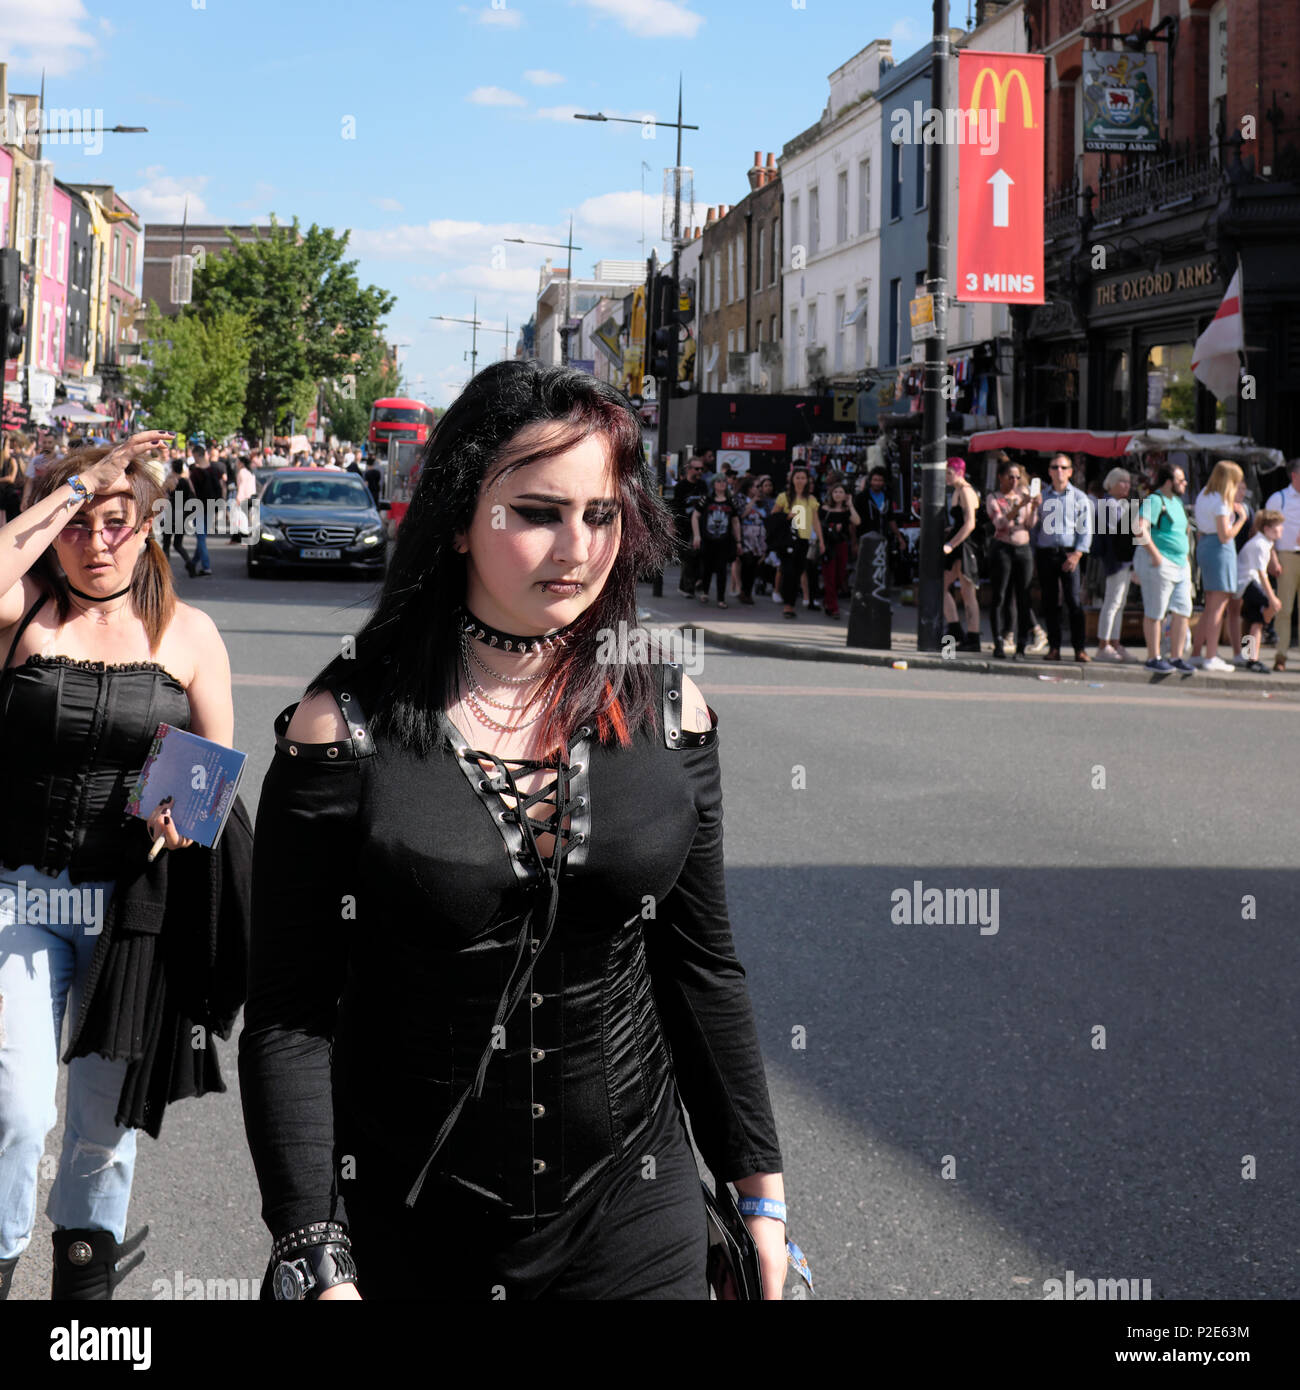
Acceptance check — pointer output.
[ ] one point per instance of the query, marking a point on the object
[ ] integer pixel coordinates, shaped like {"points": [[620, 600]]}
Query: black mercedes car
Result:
{"points": [[317, 518]]}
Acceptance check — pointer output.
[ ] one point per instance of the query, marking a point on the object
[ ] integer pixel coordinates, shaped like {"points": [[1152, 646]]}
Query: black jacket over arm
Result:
{"points": [[169, 971], [389, 899]]}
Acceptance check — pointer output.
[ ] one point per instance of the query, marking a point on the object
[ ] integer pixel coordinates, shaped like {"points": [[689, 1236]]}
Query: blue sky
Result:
{"points": [[462, 120]]}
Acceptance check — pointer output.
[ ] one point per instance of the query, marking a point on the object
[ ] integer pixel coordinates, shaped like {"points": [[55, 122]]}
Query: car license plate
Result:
{"points": [[320, 554]]}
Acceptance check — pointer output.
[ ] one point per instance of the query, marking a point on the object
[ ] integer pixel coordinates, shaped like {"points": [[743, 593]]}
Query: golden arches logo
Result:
{"points": [[1001, 88]]}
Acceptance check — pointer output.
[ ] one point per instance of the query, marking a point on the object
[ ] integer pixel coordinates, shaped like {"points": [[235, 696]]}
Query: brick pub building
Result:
{"points": [[1112, 346]]}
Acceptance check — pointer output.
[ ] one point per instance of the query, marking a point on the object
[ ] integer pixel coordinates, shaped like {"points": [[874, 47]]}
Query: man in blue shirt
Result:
{"points": [[1061, 537]]}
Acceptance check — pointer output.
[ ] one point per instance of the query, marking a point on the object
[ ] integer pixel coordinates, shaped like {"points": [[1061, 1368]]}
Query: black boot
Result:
{"points": [[6, 1276], [954, 630], [970, 642], [85, 1264]]}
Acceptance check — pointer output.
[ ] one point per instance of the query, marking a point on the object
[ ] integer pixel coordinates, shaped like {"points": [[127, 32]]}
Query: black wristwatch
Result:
{"points": [[307, 1273]]}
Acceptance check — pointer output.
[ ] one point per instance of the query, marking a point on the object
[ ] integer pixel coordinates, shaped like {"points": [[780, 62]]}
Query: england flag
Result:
{"points": [[1216, 361]]}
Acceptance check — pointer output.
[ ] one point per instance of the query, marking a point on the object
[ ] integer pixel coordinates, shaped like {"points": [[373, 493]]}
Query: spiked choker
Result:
{"points": [[467, 623]]}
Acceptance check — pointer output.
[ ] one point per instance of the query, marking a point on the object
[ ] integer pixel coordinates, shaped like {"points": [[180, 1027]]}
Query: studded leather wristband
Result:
{"points": [[305, 1274], [317, 1233]]}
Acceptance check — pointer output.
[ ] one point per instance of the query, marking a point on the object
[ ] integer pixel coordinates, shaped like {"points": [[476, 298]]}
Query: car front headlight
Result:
{"points": [[372, 535], [269, 536]]}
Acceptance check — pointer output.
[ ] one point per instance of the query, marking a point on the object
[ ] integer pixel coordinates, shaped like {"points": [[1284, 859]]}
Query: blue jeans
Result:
{"points": [[43, 967], [201, 561]]}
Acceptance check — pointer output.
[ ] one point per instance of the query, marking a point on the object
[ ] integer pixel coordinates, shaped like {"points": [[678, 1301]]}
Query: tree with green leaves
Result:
{"points": [[349, 399], [309, 318], [196, 375]]}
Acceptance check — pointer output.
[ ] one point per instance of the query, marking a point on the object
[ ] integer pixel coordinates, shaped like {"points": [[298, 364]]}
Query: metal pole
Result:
{"points": [[651, 275], [564, 326], [34, 262], [473, 354], [929, 616], [666, 391]]}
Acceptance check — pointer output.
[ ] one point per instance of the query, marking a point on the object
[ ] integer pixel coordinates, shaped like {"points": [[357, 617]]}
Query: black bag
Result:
{"points": [[733, 1268]]}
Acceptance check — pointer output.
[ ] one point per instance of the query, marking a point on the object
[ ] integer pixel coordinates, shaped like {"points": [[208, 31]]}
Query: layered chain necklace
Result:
{"points": [[476, 697]]}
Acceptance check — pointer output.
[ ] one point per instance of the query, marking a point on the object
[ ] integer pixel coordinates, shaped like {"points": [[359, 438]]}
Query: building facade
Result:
{"points": [[163, 240], [831, 184], [78, 348], [1141, 247], [739, 288]]}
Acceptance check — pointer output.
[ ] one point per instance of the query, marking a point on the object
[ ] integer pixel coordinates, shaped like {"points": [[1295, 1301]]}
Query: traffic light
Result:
{"points": [[660, 352], [11, 304], [686, 300]]}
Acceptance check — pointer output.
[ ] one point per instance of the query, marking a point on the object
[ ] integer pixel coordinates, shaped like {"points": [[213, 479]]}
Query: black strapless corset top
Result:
{"points": [[73, 738]]}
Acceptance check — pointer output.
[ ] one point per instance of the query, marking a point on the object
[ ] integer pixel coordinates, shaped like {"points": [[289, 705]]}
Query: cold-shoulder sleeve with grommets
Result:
{"points": [[701, 992], [304, 861]]}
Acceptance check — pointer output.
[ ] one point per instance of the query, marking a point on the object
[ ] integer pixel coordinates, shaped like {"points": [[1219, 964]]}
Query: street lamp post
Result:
{"points": [[568, 278], [473, 356], [665, 393], [929, 597]]}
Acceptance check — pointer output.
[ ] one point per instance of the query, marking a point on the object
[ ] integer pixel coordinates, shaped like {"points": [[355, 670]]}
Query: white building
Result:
{"points": [[555, 298], [831, 194]]}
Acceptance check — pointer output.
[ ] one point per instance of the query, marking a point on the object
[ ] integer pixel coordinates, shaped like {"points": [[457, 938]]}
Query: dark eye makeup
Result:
{"points": [[547, 516]]}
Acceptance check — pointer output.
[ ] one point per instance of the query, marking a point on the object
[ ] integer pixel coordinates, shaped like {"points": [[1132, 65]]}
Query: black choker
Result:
{"points": [[467, 623], [98, 598]]}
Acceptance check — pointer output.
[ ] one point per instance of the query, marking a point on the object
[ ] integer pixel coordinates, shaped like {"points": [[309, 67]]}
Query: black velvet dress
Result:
{"points": [[398, 907]]}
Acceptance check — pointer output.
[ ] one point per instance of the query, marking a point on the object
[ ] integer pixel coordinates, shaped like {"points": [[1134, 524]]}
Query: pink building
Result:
{"points": [[53, 289], [6, 186]]}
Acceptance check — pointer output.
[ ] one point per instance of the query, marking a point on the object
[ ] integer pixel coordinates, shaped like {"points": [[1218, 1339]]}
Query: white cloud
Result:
{"points": [[495, 96], [387, 204], [48, 36], [448, 240], [263, 193], [162, 198], [554, 113], [618, 217], [503, 18], [907, 31], [539, 77], [651, 19], [519, 277]]}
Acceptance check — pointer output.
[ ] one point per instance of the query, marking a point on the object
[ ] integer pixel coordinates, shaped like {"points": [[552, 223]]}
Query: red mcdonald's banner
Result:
{"points": [[1000, 178]]}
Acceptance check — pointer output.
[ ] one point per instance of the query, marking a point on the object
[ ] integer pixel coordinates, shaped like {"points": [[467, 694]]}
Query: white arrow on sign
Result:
{"points": [[1001, 182]]}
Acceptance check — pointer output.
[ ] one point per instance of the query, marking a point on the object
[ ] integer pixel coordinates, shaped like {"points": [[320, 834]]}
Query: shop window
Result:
{"points": [[1171, 387], [1116, 406]]}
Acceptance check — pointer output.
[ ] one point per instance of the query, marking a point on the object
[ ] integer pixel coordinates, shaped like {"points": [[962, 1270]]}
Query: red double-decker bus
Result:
{"points": [[398, 417], [399, 427]]}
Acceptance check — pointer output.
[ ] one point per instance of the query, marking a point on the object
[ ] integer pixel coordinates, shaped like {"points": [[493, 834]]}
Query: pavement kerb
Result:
{"points": [[1095, 673]]}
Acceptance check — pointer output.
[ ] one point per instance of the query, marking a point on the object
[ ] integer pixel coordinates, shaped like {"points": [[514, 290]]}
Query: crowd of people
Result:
{"points": [[207, 489], [740, 535], [1137, 529]]}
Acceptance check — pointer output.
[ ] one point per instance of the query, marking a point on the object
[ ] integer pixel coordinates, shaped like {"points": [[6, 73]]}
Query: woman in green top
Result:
{"points": [[802, 507]]}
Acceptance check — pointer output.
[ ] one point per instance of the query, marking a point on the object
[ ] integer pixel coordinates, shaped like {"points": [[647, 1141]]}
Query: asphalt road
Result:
{"points": [[954, 1125]]}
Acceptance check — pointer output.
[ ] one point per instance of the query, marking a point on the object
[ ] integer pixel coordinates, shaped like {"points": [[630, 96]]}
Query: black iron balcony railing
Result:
{"points": [[1138, 184], [1150, 183]]}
